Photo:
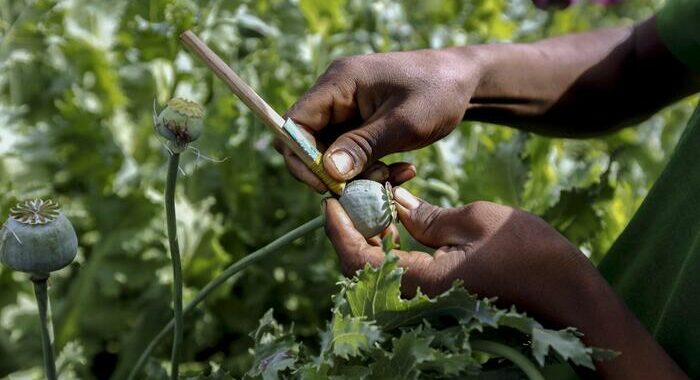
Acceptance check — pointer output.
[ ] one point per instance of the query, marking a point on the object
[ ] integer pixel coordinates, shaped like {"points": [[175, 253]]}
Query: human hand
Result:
{"points": [[498, 251], [495, 250], [365, 107]]}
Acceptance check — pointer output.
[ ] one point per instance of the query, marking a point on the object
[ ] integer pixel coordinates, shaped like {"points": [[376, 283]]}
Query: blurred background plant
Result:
{"points": [[77, 82]]}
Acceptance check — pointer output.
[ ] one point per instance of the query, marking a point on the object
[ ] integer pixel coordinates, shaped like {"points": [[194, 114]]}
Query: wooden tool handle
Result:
{"points": [[256, 104]]}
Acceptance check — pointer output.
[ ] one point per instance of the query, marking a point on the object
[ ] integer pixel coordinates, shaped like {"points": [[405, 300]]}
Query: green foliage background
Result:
{"points": [[77, 84]]}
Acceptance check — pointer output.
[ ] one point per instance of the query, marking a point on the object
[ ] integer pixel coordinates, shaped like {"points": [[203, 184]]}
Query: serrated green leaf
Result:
{"points": [[382, 368], [351, 372], [519, 321], [449, 364], [451, 338], [409, 350], [573, 215], [376, 294], [564, 342], [348, 336], [412, 347], [324, 371], [274, 351], [388, 242], [311, 371]]}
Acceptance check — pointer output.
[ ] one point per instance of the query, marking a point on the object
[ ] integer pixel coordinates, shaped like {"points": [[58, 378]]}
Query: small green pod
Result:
{"points": [[37, 238], [369, 205], [180, 123]]}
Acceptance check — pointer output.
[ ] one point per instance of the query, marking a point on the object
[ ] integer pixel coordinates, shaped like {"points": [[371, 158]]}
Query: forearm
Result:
{"points": [[607, 323], [577, 85]]}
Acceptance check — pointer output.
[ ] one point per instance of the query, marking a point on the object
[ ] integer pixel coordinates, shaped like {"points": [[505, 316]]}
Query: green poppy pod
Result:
{"points": [[180, 123], [369, 205], [37, 238]]}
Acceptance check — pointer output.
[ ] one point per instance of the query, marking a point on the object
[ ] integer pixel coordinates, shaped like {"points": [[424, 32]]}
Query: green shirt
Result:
{"points": [[655, 263]]}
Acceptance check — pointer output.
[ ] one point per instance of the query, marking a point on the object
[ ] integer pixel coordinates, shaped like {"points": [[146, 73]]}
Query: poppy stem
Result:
{"points": [[42, 300], [173, 165]]}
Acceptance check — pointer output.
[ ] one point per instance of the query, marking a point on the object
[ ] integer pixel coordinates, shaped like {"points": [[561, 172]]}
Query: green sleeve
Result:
{"points": [[678, 24]]}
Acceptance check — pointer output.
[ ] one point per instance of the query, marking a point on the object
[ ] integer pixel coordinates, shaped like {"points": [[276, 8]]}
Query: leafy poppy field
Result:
{"points": [[78, 81]]}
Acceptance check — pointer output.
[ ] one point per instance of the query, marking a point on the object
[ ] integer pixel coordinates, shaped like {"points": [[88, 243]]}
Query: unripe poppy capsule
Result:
{"points": [[369, 205], [37, 238], [180, 122]]}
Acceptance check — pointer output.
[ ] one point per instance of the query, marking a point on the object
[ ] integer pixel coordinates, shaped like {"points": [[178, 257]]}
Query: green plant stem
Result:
{"points": [[498, 349], [173, 167], [234, 268], [42, 300]]}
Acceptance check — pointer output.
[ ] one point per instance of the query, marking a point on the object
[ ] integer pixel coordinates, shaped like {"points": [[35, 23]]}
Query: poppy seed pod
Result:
{"points": [[180, 123], [369, 205], [37, 238]]}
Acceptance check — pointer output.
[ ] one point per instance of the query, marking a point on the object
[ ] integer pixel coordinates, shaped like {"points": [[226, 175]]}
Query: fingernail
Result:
{"points": [[405, 198], [404, 175], [342, 161], [323, 205], [379, 174], [411, 170]]}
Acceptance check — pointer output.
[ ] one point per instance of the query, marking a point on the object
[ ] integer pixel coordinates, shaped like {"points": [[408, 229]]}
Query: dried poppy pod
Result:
{"points": [[369, 205], [37, 238], [180, 123]]}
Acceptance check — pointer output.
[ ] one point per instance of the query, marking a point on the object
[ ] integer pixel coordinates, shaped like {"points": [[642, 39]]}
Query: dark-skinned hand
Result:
{"points": [[365, 107], [499, 251], [496, 250]]}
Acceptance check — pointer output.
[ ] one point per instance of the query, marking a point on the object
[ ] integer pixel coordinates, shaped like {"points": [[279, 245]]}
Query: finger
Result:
{"points": [[278, 145], [396, 173], [377, 172], [375, 241], [354, 252], [431, 225], [401, 172], [302, 173], [330, 100], [392, 232], [354, 151]]}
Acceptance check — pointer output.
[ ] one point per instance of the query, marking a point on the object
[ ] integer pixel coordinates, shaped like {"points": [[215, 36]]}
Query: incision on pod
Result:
{"points": [[180, 123], [369, 205], [37, 238]]}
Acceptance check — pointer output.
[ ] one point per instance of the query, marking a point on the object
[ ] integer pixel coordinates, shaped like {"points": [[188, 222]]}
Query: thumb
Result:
{"points": [[430, 225], [354, 151]]}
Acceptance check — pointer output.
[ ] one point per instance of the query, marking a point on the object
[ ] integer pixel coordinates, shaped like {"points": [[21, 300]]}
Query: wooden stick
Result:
{"points": [[256, 104]]}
